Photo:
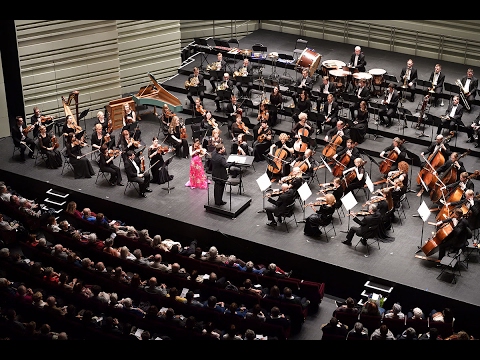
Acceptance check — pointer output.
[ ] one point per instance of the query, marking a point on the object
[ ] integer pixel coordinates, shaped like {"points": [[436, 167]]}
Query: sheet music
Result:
{"points": [[237, 159]]}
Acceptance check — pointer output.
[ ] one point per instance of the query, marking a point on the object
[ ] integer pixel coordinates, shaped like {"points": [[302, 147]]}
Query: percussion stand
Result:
{"points": [[402, 115], [203, 58], [375, 106], [274, 75]]}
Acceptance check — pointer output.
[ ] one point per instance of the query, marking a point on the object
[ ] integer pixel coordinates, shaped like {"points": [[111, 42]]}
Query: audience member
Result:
{"points": [[359, 332], [382, 333]]}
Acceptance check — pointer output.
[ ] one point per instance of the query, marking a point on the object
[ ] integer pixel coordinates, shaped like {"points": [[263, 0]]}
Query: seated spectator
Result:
{"points": [[408, 334], [5, 194], [52, 224], [65, 283], [66, 229], [178, 271], [197, 254], [211, 332], [125, 254], [127, 305], [248, 287], [102, 221], [277, 318], [72, 209], [174, 294], [334, 327], [190, 296], [289, 297], [214, 280], [234, 309], [395, 312], [274, 293], [169, 317], [382, 333], [50, 276], [51, 307], [100, 267], [157, 264], [432, 334], [212, 303], [43, 246], [167, 244], [6, 225], [144, 237], [349, 306], [87, 264], [256, 313], [274, 271], [461, 335], [24, 295], [120, 276], [371, 308], [232, 261], [416, 314], [60, 252], [232, 333], [250, 268], [136, 282], [213, 256], [250, 335], [139, 259], [445, 315], [88, 215], [153, 287], [109, 249], [37, 300], [358, 332]]}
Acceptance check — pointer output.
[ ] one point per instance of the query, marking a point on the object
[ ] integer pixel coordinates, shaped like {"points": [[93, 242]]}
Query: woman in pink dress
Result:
{"points": [[198, 179]]}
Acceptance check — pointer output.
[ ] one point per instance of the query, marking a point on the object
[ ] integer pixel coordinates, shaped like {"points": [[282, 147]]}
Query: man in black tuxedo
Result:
{"points": [[437, 78], [409, 76], [133, 170], [219, 173], [21, 140], [368, 226], [453, 116], [197, 78], [470, 89], [305, 82], [458, 237], [219, 65], [391, 104], [227, 85], [244, 70], [357, 60], [330, 111], [361, 92], [285, 198]]}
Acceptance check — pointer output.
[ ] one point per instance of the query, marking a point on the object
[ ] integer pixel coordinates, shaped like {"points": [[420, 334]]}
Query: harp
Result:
{"points": [[66, 105]]}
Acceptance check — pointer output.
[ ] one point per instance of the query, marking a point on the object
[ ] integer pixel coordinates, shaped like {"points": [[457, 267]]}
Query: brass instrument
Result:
{"points": [[240, 72], [405, 79], [223, 86], [193, 82], [462, 94], [432, 88], [214, 66]]}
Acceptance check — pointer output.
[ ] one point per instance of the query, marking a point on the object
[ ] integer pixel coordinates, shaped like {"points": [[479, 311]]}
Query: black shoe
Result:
{"points": [[221, 203], [318, 132], [346, 242], [171, 177], [363, 241], [218, 110], [31, 156], [120, 184], [112, 183], [22, 159], [388, 125], [338, 303], [438, 265], [148, 190], [469, 140], [476, 145], [279, 220], [272, 223], [289, 274], [143, 195]]}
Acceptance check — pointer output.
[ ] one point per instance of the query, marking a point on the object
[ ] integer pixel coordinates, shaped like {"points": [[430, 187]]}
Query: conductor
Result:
{"points": [[219, 173]]}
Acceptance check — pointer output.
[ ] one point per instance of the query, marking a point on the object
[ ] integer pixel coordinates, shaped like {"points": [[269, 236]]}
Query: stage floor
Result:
{"points": [[394, 262]]}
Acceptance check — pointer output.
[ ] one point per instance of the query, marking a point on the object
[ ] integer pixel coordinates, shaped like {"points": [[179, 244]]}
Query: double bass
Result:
{"points": [[448, 177], [431, 246], [434, 161], [331, 148]]}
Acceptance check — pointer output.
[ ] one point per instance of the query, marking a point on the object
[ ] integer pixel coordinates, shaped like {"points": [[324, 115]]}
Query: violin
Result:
{"points": [[315, 203], [199, 108], [331, 148], [183, 131], [46, 118], [55, 143], [274, 193], [106, 138], [386, 164], [359, 213], [212, 122], [114, 153], [110, 126], [28, 129], [244, 127]]}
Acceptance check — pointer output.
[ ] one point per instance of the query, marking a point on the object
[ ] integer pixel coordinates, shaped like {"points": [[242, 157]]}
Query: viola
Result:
{"points": [[55, 143], [391, 158], [46, 118], [110, 126], [199, 108]]}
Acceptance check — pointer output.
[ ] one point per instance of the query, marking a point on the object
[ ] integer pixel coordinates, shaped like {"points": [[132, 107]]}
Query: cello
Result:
{"points": [[279, 157], [431, 246], [331, 148], [386, 164], [434, 161], [448, 177], [341, 164]]}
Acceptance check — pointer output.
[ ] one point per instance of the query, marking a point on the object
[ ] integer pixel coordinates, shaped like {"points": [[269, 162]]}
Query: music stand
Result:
{"points": [[165, 165], [82, 115], [286, 59], [244, 80], [261, 50], [304, 192], [349, 201], [424, 213], [218, 75], [264, 184], [197, 89], [376, 106]]}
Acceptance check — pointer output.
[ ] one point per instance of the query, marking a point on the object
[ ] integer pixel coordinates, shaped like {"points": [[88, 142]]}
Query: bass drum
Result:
{"points": [[309, 59]]}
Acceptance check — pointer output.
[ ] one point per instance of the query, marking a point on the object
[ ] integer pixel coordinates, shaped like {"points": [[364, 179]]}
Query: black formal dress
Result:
{"points": [[109, 167], [54, 157], [159, 171], [322, 217], [82, 167]]}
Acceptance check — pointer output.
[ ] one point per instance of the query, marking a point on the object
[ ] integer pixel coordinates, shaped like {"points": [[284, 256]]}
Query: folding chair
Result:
{"points": [[15, 149], [300, 45], [450, 262], [132, 184], [100, 172], [66, 162], [289, 212], [331, 227], [373, 238]]}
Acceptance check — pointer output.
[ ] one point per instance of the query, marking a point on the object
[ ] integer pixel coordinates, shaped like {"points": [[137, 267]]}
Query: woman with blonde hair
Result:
{"points": [[175, 138], [323, 216]]}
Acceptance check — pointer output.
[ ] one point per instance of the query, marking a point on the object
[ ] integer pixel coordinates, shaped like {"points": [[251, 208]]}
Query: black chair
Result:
{"points": [[396, 326], [300, 46], [451, 263], [100, 172], [40, 156], [66, 162], [370, 239], [132, 184], [289, 212], [421, 326]]}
